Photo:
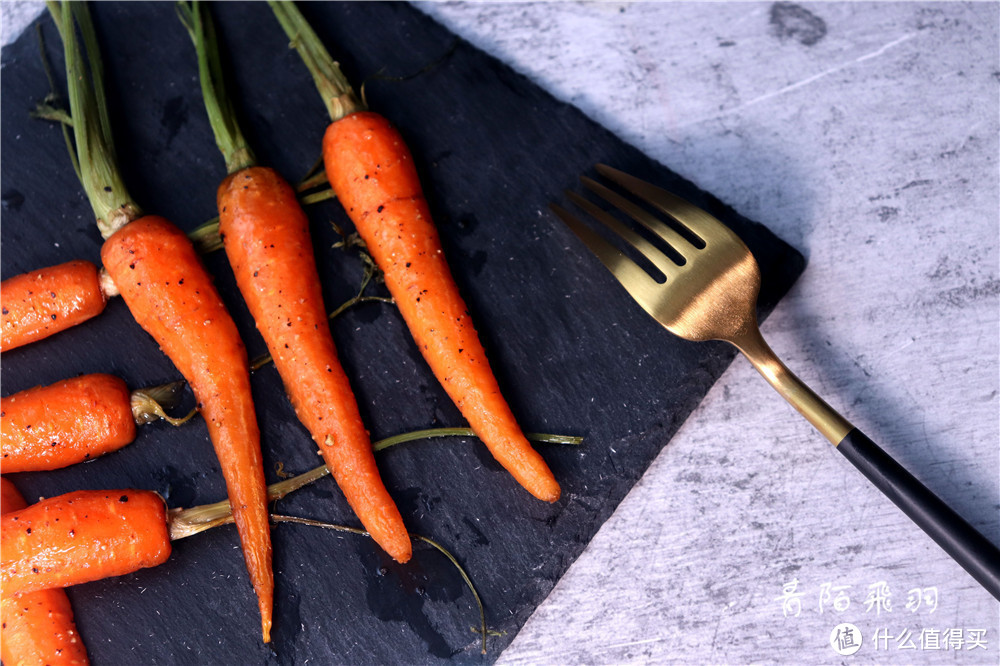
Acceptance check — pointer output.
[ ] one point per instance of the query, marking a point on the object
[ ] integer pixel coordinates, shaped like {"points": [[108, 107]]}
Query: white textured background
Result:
{"points": [[865, 134]]}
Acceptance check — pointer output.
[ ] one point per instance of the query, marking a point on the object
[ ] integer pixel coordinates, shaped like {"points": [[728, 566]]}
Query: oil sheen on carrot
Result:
{"points": [[41, 303], [80, 537], [78, 419], [37, 627], [266, 235], [372, 173], [171, 295]]}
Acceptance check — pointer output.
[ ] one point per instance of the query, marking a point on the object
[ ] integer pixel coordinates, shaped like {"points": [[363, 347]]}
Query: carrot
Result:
{"points": [[37, 627], [371, 172], [49, 427], [81, 537], [280, 284], [171, 295], [267, 241], [41, 303], [87, 535], [75, 420]]}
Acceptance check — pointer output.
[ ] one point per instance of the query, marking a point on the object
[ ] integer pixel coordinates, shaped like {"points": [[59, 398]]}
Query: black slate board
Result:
{"points": [[573, 354]]}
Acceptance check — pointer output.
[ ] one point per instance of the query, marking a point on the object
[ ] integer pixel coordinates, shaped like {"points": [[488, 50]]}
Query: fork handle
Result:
{"points": [[959, 539], [968, 547]]}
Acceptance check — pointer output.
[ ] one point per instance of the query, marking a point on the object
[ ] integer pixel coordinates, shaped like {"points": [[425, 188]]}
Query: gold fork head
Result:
{"points": [[705, 281], [706, 285]]}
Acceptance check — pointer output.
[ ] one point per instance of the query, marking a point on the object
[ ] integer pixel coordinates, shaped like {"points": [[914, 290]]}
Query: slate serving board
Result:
{"points": [[572, 353]]}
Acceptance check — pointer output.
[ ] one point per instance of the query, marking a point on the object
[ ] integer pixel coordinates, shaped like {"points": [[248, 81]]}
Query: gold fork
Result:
{"points": [[710, 293]]}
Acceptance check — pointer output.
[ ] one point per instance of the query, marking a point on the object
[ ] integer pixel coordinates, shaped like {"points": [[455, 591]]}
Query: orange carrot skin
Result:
{"points": [[49, 427], [81, 537], [372, 173], [266, 235], [41, 303], [37, 627], [171, 295]]}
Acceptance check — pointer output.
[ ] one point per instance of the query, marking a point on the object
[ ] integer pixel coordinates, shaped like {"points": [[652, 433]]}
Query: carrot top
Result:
{"points": [[221, 115], [92, 150], [337, 93]]}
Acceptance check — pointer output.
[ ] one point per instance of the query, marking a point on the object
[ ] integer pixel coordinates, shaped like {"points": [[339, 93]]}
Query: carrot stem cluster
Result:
{"points": [[221, 115], [93, 148]]}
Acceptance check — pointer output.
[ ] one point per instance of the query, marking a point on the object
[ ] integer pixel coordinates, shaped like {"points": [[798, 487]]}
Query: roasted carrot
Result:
{"points": [[41, 303], [172, 297], [280, 284], [75, 420], [80, 537], [48, 427], [372, 174], [157, 271], [267, 241], [37, 627]]}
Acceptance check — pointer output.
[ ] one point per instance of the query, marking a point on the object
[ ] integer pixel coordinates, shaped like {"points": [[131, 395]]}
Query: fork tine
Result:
{"points": [[631, 276], [696, 220], [647, 249], [676, 241]]}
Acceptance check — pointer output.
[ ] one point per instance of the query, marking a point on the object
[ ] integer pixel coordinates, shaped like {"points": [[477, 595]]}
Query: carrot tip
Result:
{"points": [[403, 556], [549, 494]]}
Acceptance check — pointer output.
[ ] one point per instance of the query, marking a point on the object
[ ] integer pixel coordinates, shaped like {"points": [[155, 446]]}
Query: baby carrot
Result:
{"points": [[49, 427], [41, 303], [281, 287], [267, 241], [37, 627], [372, 173], [171, 295], [75, 420], [81, 537]]}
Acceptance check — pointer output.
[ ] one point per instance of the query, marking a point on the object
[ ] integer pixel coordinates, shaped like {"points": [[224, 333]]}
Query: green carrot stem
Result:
{"points": [[93, 146], [337, 93], [316, 197], [49, 112], [93, 49], [232, 144], [433, 433], [315, 178], [358, 300], [206, 237], [187, 522]]}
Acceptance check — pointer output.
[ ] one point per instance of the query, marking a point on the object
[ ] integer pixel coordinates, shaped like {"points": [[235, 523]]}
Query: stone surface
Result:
{"points": [[866, 134]]}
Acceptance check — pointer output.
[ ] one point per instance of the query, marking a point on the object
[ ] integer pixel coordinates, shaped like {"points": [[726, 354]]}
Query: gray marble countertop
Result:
{"points": [[866, 135]]}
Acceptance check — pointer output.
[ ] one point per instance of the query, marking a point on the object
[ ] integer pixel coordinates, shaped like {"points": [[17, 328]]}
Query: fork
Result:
{"points": [[710, 293]]}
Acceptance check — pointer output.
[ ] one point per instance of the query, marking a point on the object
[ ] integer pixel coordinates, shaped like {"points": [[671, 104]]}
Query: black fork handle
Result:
{"points": [[974, 552]]}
